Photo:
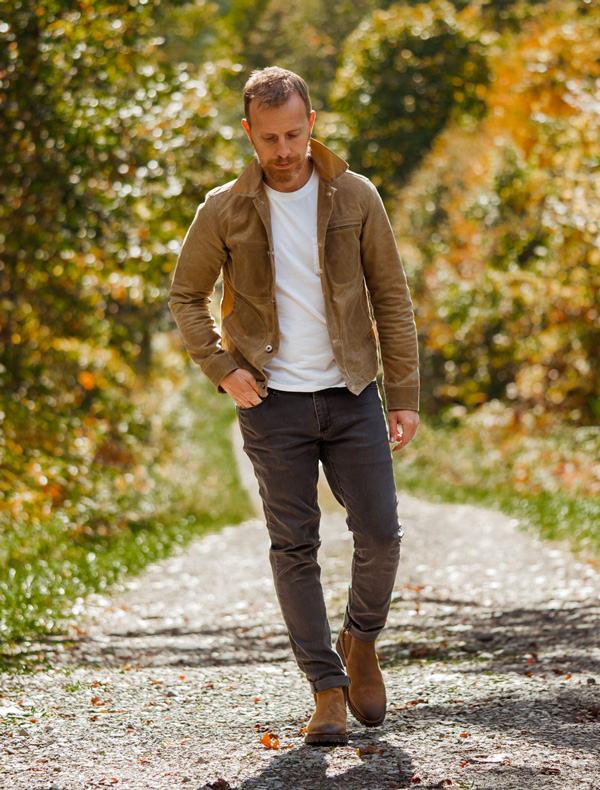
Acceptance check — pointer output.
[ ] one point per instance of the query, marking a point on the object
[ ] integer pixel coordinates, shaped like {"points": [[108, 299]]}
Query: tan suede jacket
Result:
{"points": [[359, 261]]}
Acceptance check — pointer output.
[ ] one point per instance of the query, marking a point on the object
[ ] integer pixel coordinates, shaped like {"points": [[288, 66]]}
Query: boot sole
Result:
{"points": [[357, 715], [325, 739]]}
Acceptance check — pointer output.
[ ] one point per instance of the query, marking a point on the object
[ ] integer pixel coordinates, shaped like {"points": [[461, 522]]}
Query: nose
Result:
{"points": [[283, 149]]}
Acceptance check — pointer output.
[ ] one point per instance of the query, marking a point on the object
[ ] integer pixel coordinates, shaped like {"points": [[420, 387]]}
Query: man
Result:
{"points": [[306, 252]]}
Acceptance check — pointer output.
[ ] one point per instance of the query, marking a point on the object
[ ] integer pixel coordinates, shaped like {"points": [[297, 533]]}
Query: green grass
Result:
{"points": [[47, 568], [460, 465]]}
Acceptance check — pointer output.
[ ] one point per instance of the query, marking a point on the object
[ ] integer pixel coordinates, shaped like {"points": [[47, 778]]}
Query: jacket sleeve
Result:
{"points": [[392, 308], [200, 262]]}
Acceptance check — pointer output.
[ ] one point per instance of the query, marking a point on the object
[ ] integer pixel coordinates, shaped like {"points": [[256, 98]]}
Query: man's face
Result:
{"points": [[280, 137]]}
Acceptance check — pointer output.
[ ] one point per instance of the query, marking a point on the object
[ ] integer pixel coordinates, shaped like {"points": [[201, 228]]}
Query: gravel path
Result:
{"points": [[491, 657]]}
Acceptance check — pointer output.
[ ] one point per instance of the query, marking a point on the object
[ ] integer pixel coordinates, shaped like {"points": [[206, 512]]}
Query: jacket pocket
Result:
{"points": [[245, 327], [359, 342], [343, 224], [343, 262]]}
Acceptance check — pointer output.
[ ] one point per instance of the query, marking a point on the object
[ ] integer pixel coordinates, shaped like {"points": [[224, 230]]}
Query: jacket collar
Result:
{"points": [[329, 167]]}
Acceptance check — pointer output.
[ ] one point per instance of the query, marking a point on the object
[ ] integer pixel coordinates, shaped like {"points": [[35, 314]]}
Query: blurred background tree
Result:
{"points": [[105, 146], [500, 228], [478, 120], [405, 74]]}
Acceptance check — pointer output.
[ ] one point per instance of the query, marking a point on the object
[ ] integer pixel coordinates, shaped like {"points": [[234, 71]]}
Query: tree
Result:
{"points": [[305, 36], [406, 71], [105, 156], [500, 233]]}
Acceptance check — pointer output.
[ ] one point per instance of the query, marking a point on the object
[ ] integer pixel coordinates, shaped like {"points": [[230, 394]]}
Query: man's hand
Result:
{"points": [[243, 388], [403, 426]]}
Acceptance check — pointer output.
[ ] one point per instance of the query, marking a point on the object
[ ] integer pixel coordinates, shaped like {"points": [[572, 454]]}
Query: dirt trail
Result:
{"points": [[492, 662]]}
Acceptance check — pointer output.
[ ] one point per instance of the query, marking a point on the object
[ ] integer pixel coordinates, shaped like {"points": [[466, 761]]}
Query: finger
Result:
{"points": [[409, 428], [256, 388], [393, 427]]}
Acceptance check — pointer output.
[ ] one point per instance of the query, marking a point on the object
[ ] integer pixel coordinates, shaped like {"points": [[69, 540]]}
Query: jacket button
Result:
{"points": [[269, 349]]}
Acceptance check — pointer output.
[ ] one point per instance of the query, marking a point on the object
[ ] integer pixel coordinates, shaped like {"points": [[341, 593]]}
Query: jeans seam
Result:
{"points": [[342, 492]]}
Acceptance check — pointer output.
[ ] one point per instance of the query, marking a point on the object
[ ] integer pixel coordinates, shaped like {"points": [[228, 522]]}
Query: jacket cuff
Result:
{"points": [[217, 367], [401, 397]]}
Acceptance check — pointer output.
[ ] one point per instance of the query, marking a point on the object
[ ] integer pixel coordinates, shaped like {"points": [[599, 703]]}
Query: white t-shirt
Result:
{"points": [[304, 362]]}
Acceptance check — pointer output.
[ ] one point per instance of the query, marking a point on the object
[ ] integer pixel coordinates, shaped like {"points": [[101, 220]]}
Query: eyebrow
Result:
{"points": [[289, 131]]}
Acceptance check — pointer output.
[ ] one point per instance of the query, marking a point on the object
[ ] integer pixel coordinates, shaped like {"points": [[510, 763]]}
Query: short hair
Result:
{"points": [[273, 86]]}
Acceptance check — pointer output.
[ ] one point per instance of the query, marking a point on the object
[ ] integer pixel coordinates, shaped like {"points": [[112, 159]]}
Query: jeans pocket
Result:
{"points": [[245, 409]]}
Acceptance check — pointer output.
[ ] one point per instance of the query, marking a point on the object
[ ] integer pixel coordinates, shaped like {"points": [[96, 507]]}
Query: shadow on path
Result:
{"points": [[526, 641], [306, 768]]}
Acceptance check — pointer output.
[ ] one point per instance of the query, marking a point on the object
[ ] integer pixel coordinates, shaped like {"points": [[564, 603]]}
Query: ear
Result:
{"points": [[311, 119], [246, 126]]}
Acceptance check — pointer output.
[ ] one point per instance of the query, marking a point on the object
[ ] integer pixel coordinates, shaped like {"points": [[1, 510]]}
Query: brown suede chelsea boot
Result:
{"points": [[328, 723], [366, 694]]}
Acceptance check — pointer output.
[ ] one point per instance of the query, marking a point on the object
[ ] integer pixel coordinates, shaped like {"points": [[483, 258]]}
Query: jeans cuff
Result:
{"points": [[333, 681], [361, 636]]}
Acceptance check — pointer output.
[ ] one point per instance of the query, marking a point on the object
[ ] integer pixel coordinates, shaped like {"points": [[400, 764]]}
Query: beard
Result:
{"points": [[291, 173]]}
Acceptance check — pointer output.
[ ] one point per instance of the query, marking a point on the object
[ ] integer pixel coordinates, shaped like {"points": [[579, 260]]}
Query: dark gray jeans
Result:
{"points": [[285, 436]]}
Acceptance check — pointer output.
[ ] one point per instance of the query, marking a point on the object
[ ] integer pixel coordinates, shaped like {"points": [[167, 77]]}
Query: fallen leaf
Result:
{"points": [[415, 702], [443, 783], [465, 735], [588, 713], [419, 651], [416, 780], [269, 741], [370, 750], [220, 784]]}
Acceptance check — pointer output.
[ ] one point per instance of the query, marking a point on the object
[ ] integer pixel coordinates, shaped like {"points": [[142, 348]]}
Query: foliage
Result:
{"points": [[550, 482], [107, 151], [105, 157], [122, 516], [305, 36], [405, 73], [499, 230]]}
